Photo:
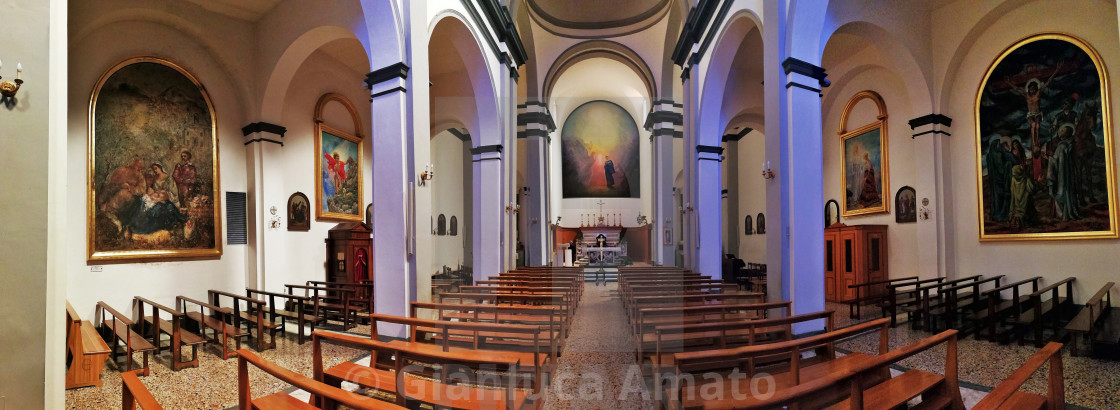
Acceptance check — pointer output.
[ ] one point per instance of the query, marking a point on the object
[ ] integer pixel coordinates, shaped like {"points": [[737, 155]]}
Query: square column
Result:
{"points": [[488, 211], [931, 133], [709, 213], [688, 205], [535, 125], [262, 142], [665, 122]]}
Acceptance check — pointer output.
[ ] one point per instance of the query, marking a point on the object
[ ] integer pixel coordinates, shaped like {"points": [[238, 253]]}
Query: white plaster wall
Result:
{"points": [[1093, 262], [752, 196], [296, 256], [91, 54], [902, 239], [449, 199]]}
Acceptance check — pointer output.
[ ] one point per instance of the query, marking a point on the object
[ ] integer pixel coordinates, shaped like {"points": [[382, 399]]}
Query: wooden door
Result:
{"points": [[830, 264], [876, 258], [850, 265]]}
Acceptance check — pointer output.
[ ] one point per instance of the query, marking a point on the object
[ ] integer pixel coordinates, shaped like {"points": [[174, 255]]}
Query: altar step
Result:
{"points": [[589, 274]]}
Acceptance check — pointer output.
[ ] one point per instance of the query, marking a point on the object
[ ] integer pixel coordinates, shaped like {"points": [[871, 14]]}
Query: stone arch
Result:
{"points": [[904, 64], [486, 130], [716, 73], [345, 102], [279, 80]]}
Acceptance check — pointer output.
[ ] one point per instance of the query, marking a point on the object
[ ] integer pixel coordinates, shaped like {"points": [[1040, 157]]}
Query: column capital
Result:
{"points": [[387, 80], [737, 136], [795, 68], [487, 152], [931, 124], [263, 132], [709, 153], [534, 120]]}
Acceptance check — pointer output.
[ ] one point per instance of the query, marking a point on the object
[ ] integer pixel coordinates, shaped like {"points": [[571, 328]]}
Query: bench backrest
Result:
{"points": [[134, 393], [316, 388], [556, 317], [543, 340], [1055, 390], [1099, 305], [752, 328], [649, 318]]}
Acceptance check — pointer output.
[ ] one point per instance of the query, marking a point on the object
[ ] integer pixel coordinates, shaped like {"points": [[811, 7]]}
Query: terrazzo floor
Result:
{"points": [[597, 369]]}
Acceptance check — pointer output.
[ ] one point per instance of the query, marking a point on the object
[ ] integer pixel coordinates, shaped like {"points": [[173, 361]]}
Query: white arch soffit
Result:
{"points": [[903, 64], [485, 88], [752, 117], [177, 23], [804, 33], [717, 69], [627, 102], [831, 99], [383, 21], [272, 103]]}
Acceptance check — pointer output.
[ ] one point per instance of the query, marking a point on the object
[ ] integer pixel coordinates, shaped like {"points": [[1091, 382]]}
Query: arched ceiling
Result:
{"points": [[595, 14], [600, 79]]}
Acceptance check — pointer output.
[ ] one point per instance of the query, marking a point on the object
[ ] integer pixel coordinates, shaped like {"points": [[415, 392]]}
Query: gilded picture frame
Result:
{"points": [[153, 169], [338, 195], [865, 166], [1044, 156]]}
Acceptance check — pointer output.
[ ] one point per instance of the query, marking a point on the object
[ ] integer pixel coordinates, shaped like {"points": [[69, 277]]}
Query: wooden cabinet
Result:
{"points": [[853, 254], [349, 248]]}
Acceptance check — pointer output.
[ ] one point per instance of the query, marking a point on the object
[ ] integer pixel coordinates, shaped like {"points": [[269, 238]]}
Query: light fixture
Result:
{"points": [[688, 207], [8, 88], [428, 174], [767, 173], [514, 208]]}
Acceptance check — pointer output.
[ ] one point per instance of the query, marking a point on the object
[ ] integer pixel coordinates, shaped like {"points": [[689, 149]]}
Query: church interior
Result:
{"points": [[632, 204]]}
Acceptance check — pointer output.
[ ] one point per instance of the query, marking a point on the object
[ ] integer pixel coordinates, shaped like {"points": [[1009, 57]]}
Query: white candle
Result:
{"points": [[19, 70], [1, 64]]}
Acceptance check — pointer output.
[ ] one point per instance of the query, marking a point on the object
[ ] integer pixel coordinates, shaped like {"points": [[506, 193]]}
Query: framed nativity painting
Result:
{"points": [[865, 170], [153, 166], [1044, 143]]}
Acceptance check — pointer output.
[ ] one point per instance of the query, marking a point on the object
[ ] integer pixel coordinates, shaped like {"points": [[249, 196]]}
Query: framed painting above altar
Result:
{"points": [[600, 155]]}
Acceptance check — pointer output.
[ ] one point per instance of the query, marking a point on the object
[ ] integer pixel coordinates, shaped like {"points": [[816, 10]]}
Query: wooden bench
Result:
{"points": [[463, 380], [253, 314], [222, 321], [955, 302], [899, 295], [534, 346], [297, 303], [872, 292], [926, 299], [989, 321], [681, 393], [118, 328], [326, 306], [664, 301], [650, 319], [868, 384], [698, 337], [282, 400], [549, 316], [155, 326], [1098, 319], [553, 299], [86, 351], [1046, 305], [134, 393], [362, 297], [1008, 396]]}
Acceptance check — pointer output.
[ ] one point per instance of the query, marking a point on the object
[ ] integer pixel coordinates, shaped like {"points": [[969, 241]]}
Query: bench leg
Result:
{"points": [[147, 370]]}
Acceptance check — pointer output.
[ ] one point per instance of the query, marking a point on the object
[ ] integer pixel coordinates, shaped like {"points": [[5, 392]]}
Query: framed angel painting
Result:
{"points": [[1044, 143], [866, 173]]}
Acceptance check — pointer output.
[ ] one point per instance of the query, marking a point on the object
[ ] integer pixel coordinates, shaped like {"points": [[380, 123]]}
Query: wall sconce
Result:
{"points": [[8, 88], [558, 220], [688, 207], [428, 174], [514, 208], [533, 221], [767, 173]]}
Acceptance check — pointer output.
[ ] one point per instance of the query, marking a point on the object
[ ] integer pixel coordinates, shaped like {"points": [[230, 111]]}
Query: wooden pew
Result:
{"points": [[134, 393], [998, 309], [118, 328], [535, 347], [901, 295], [390, 365], [1007, 394], [673, 339], [326, 306], [568, 292], [222, 321], [927, 300], [1053, 307], [869, 385], [86, 351], [549, 316], [252, 314], [825, 364], [513, 299], [1098, 319], [361, 299], [650, 319], [643, 302], [296, 303], [872, 292], [282, 400], [952, 301], [155, 326]]}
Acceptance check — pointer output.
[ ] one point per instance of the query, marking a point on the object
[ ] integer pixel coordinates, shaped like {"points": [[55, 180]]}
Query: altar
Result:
{"points": [[608, 255]]}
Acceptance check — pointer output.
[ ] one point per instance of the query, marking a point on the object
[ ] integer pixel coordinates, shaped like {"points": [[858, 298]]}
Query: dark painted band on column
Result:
{"points": [[737, 136], [711, 34], [389, 91], [802, 86], [793, 65], [502, 22], [657, 117], [685, 75], [398, 70], [701, 149], [264, 140], [698, 20], [263, 127], [538, 117], [936, 119], [667, 132], [932, 132], [534, 133], [482, 149], [464, 136]]}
